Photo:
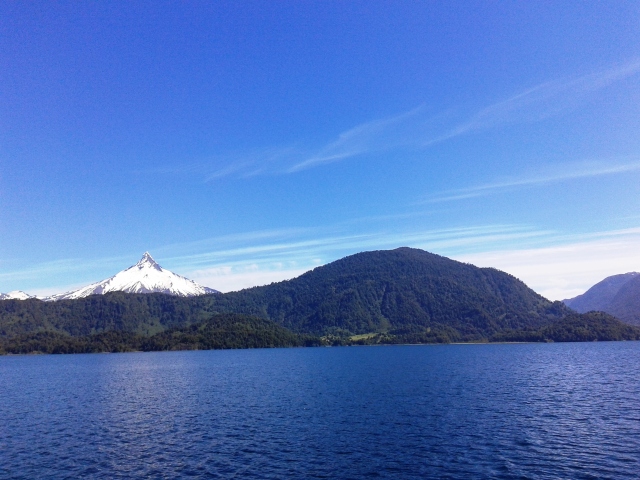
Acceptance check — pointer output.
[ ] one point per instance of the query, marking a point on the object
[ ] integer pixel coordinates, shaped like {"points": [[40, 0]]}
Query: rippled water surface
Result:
{"points": [[456, 411]]}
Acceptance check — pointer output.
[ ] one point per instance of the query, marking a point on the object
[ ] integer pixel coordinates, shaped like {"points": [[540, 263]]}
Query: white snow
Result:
{"points": [[146, 276], [15, 295]]}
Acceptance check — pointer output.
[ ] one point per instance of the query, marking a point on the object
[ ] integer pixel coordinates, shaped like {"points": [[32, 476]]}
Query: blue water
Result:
{"points": [[456, 411]]}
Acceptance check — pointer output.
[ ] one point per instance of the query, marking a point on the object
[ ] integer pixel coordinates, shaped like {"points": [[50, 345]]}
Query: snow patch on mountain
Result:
{"points": [[15, 295], [146, 276]]}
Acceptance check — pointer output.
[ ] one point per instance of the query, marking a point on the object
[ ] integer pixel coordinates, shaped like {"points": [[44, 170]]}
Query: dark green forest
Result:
{"points": [[395, 296], [231, 331], [225, 331], [577, 327]]}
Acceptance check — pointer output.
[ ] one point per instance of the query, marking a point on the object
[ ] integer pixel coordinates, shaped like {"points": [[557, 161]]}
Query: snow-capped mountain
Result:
{"points": [[15, 295], [146, 276]]}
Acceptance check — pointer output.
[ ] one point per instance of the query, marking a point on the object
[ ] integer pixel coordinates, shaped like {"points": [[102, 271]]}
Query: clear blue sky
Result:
{"points": [[246, 142]]}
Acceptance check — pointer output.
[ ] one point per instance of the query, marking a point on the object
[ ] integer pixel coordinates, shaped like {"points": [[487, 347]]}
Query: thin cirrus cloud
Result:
{"points": [[377, 135], [551, 175], [541, 101], [334, 241], [256, 162], [374, 136], [568, 268], [417, 130], [420, 129], [239, 164]]}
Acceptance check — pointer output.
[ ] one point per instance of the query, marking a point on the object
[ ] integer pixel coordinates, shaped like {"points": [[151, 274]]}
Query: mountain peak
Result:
{"points": [[600, 295], [148, 261], [146, 276], [15, 295]]}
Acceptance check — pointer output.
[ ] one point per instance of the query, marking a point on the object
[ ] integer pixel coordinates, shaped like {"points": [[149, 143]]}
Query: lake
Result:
{"points": [[449, 411]]}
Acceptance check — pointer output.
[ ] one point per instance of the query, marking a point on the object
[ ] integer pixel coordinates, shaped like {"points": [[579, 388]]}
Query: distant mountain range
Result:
{"points": [[393, 296], [618, 295]]}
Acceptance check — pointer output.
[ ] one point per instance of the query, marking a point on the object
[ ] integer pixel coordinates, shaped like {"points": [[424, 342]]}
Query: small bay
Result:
{"points": [[447, 411]]}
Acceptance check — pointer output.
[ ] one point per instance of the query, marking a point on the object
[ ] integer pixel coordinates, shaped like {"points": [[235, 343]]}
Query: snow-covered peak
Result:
{"points": [[146, 276], [147, 261], [15, 295]]}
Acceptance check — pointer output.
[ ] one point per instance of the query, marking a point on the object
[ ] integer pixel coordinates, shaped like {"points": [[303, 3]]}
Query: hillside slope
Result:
{"points": [[383, 290], [601, 294], [618, 295], [626, 304]]}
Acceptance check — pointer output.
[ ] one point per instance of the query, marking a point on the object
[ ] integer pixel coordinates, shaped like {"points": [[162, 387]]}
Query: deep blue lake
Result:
{"points": [[454, 411]]}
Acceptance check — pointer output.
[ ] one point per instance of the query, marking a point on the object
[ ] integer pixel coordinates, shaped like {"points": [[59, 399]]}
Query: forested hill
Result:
{"points": [[402, 290]]}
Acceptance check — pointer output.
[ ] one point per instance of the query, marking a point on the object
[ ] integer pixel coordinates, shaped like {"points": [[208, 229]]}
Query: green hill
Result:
{"points": [[403, 288]]}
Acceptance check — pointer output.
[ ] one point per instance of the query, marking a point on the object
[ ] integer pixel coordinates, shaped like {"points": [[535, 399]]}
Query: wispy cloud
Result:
{"points": [[416, 129], [69, 273], [46, 269], [374, 136], [569, 267], [332, 244], [540, 101], [551, 174], [377, 135], [238, 164]]}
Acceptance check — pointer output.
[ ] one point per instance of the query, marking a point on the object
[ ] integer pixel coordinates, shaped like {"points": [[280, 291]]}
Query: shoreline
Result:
{"points": [[38, 353]]}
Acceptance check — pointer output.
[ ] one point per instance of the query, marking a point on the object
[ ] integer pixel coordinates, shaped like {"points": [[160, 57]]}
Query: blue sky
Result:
{"points": [[247, 142]]}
